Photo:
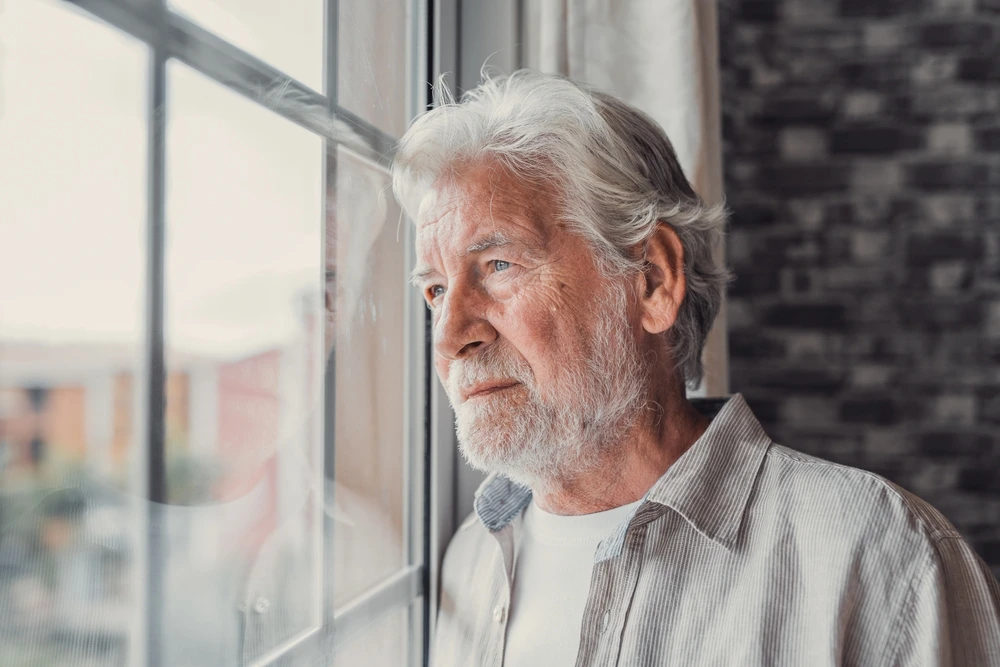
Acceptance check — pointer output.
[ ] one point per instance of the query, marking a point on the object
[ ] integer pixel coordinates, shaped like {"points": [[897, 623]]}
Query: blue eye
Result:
{"points": [[435, 291], [500, 265]]}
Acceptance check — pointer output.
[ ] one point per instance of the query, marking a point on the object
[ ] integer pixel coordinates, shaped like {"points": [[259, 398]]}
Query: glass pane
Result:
{"points": [[73, 160], [244, 346], [287, 35], [371, 456], [385, 643], [372, 38]]}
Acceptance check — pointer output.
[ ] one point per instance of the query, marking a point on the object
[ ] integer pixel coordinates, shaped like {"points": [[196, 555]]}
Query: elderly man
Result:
{"points": [[569, 268]]}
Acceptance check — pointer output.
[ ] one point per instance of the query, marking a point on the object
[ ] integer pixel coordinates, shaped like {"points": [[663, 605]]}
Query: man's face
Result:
{"points": [[535, 347]]}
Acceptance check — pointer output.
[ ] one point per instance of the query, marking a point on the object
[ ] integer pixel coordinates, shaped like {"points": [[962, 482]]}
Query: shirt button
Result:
{"points": [[261, 605], [498, 612], [604, 621]]}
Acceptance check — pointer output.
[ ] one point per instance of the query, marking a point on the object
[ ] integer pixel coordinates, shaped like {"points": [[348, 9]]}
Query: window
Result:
{"points": [[213, 378]]}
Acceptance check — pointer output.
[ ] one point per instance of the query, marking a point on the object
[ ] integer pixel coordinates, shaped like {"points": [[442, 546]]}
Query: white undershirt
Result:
{"points": [[552, 569]]}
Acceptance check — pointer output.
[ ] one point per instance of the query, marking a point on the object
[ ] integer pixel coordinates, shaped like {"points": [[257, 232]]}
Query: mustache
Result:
{"points": [[493, 363]]}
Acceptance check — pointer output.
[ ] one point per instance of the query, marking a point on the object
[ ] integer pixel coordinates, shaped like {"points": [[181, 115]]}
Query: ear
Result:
{"points": [[662, 283]]}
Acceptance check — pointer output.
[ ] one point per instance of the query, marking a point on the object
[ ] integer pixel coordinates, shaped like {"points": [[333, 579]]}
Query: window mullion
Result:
{"points": [[250, 76], [332, 55], [396, 592], [156, 478]]}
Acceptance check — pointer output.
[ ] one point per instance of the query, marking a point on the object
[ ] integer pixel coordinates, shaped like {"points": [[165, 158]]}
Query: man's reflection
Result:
{"points": [[265, 527], [242, 571]]}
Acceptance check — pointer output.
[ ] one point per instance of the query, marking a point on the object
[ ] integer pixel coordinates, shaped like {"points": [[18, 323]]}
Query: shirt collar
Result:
{"points": [[499, 500], [709, 485]]}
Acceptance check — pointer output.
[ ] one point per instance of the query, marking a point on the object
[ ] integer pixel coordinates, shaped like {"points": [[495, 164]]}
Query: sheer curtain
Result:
{"points": [[661, 57]]}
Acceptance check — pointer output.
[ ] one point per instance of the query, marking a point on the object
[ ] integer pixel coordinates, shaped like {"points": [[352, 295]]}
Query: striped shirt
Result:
{"points": [[743, 553]]}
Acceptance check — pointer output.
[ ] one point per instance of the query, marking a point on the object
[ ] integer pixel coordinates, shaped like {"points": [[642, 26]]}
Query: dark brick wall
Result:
{"points": [[862, 164]]}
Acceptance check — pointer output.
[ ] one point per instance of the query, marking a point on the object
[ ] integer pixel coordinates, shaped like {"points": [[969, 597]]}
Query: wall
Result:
{"points": [[862, 164]]}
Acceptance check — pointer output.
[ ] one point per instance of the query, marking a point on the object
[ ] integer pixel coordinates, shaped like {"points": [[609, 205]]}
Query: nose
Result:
{"points": [[461, 327]]}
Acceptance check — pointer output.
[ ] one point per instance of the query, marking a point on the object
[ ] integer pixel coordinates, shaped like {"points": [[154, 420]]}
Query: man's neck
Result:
{"points": [[656, 441]]}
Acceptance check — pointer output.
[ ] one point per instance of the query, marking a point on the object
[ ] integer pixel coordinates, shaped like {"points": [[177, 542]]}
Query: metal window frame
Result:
{"points": [[176, 37], [156, 373], [441, 452], [171, 36]]}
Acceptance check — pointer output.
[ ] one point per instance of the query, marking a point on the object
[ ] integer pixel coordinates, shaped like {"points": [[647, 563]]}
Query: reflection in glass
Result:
{"points": [[72, 233], [372, 45], [382, 644], [244, 328], [287, 35], [370, 343]]}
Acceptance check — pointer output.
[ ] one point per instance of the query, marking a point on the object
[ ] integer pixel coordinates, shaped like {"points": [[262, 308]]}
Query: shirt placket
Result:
{"points": [[503, 577], [612, 589]]}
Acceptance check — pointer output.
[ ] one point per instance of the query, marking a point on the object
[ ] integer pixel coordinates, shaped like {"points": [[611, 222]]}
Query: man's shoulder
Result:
{"points": [[849, 500]]}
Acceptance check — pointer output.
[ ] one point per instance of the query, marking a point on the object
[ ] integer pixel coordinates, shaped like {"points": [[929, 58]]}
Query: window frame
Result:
{"points": [[428, 481]]}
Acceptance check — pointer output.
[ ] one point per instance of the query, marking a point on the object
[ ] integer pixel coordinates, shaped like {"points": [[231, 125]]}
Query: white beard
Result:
{"points": [[537, 440]]}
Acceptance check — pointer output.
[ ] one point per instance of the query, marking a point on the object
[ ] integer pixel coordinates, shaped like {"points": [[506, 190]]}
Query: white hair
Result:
{"points": [[614, 169]]}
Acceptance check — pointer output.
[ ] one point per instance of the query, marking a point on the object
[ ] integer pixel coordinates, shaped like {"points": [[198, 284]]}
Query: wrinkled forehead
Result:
{"points": [[485, 197]]}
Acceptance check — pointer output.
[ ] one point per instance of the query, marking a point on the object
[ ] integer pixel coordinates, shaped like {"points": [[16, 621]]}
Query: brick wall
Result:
{"points": [[862, 164]]}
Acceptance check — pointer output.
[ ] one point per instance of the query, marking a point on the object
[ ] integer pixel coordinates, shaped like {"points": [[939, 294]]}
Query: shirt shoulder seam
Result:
{"points": [[932, 534]]}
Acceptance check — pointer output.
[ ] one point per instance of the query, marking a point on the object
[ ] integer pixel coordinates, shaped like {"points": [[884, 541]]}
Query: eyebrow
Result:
{"points": [[420, 274], [494, 240]]}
